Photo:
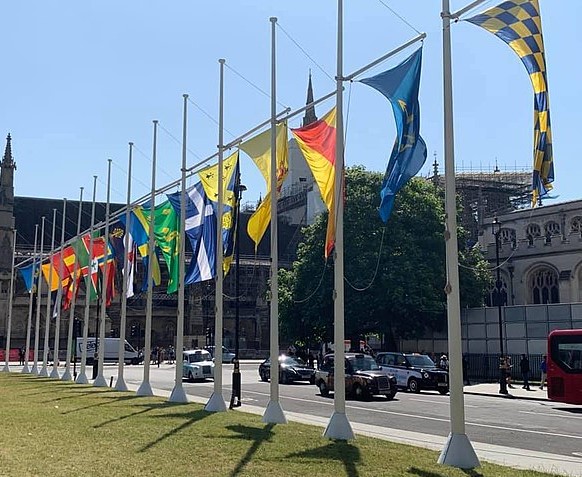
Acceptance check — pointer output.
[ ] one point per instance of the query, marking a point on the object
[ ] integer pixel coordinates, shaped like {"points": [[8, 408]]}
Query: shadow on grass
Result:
{"points": [[255, 434], [194, 416], [342, 451], [427, 473], [113, 398], [81, 392], [147, 408]]}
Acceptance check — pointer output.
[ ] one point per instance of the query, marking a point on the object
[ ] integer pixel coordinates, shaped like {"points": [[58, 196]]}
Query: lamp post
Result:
{"points": [[236, 387], [496, 228]]}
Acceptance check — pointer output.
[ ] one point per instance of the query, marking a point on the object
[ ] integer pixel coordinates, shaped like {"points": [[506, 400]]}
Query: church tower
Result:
{"points": [[7, 167]]}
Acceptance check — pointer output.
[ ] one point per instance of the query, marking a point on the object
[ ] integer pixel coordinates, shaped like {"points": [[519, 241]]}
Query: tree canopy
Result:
{"points": [[394, 274]]}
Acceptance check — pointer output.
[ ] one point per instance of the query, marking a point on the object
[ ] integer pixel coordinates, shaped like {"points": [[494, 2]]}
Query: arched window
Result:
{"points": [[533, 230], [551, 227], [491, 299], [507, 236], [576, 225], [543, 285]]}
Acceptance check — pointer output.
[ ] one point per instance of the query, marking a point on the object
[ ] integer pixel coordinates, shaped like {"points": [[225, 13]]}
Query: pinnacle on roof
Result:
{"points": [[310, 116], [7, 159]]}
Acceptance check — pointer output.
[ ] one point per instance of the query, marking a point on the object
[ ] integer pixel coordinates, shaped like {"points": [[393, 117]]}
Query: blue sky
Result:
{"points": [[82, 79]]}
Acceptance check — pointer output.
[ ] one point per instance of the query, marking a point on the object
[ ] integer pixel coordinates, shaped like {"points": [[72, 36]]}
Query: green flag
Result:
{"points": [[167, 235], [81, 247]]}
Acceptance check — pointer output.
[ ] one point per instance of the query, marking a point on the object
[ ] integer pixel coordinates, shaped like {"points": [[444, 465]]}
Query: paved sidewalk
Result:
{"points": [[517, 392]]}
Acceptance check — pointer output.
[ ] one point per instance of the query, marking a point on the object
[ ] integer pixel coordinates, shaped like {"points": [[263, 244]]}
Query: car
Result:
{"points": [[364, 378], [414, 371], [227, 355], [291, 369], [198, 365]]}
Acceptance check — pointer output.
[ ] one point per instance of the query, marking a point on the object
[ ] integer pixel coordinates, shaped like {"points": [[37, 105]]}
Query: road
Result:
{"points": [[533, 425]]}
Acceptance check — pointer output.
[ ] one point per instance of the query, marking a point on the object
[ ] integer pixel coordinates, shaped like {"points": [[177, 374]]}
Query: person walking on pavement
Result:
{"points": [[524, 365], [544, 370]]}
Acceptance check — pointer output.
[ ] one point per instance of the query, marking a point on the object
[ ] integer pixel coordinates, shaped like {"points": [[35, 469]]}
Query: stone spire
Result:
{"points": [[310, 116], [7, 160]]}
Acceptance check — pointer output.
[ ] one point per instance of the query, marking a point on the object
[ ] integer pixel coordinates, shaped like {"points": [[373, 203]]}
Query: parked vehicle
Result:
{"points": [[414, 371], [565, 366], [291, 369], [364, 378], [131, 356], [227, 355], [198, 365]]}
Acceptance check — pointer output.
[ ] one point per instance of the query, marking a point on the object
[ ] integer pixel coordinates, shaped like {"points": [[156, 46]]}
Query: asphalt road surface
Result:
{"points": [[523, 424]]}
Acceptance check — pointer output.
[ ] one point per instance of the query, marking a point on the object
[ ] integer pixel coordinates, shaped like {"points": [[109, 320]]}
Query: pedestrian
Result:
{"points": [[524, 366], [444, 362], [21, 354], [508, 368], [544, 370], [466, 370]]}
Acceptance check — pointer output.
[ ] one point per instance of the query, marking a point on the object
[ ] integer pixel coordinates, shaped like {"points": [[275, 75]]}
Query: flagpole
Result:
{"points": [[145, 388], [67, 374], [47, 319], [100, 381], [82, 378], [178, 394], [34, 369], [458, 451], [25, 369], [339, 426], [120, 383], [58, 304], [274, 413], [216, 402], [9, 327]]}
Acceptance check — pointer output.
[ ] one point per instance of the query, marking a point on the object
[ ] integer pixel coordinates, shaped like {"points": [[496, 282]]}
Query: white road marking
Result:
{"points": [[553, 414]]}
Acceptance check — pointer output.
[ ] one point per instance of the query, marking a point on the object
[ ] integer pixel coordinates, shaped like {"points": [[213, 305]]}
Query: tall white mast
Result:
{"points": [[216, 402], [82, 378], [9, 326], [274, 412], [458, 451], [34, 369], [47, 318], [178, 394], [339, 426], [58, 304], [26, 369], [67, 374], [145, 388], [120, 383]]}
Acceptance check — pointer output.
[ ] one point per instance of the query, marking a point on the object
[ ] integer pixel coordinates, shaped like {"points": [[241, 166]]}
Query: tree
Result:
{"points": [[394, 272]]}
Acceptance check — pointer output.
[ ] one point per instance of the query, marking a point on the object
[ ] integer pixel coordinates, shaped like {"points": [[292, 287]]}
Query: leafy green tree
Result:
{"points": [[394, 273]]}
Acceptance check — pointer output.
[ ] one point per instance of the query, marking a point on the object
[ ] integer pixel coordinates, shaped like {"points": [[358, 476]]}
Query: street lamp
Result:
{"points": [[496, 228], [236, 387]]}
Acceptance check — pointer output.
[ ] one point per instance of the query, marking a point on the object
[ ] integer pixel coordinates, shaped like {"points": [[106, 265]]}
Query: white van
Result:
{"points": [[131, 356]]}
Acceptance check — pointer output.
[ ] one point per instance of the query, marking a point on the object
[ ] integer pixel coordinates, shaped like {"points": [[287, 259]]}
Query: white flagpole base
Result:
{"points": [[215, 403], [43, 372], [120, 385], [25, 369], [55, 373], [67, 375], [178, 394], [100, 382], [339, 427], [34, 370], [458, 452], [145, 389], [6, 368], [274, 413], [82, 379]]}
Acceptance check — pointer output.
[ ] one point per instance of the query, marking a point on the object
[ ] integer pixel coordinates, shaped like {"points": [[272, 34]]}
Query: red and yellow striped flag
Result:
{"points": [[317, 143]]}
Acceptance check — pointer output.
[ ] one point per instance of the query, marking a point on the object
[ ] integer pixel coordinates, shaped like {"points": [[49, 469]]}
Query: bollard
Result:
{"points": [[111, 382]]}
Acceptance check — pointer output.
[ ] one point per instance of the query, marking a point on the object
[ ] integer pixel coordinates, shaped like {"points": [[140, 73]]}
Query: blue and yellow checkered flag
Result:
{"points": [[518, 24]]}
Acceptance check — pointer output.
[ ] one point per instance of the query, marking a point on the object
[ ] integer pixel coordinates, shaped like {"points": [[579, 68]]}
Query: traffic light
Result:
{"points": [[77, 328]]}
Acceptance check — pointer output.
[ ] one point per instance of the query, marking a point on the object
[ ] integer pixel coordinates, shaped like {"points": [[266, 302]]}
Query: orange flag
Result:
{"points": [[317, 143]]}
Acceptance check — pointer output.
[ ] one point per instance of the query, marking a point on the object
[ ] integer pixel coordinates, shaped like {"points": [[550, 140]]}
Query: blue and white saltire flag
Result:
{"points": [[30, 275], [200, 228], [400, 85]]}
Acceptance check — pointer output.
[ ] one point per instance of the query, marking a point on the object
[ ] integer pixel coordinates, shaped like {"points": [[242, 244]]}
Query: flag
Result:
{"points": [[259, 149], [317, 143], [81, 247], [209, 179], [167, 234], [518, 23], [51, 276], [117, 243], [200, 228], [138, 230], [30, 275], [103, 261], [400, 85]]}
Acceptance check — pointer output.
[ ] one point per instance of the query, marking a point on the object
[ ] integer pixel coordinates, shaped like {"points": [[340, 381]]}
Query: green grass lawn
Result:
{"points": [[55, 428]]}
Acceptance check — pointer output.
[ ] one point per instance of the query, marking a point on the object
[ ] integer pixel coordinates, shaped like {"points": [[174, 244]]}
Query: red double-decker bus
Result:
{"points": [[565, 366]]}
